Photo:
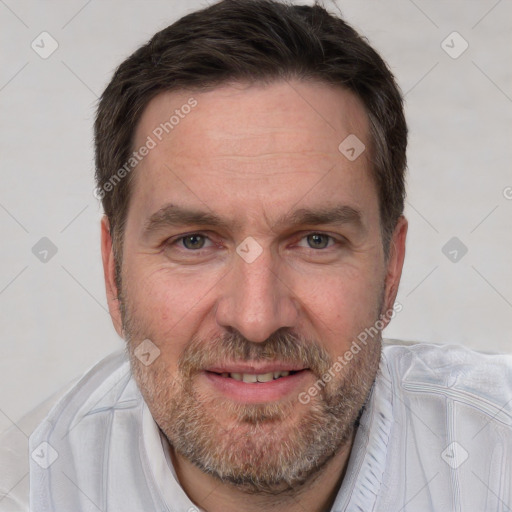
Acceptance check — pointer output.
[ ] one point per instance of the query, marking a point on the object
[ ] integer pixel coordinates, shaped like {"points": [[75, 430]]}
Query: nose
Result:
{"points": [[256, 300]]}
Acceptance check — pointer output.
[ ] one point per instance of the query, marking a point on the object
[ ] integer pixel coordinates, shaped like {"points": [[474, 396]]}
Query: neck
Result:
{"points": [[316, 495]]}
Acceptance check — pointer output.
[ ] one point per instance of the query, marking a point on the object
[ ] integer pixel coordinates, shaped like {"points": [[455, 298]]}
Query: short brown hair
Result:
{"points": [[251, 41]]}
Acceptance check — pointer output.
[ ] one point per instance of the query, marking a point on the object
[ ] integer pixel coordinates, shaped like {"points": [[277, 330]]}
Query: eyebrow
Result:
{"points": [[337, 215], [172, 215]]}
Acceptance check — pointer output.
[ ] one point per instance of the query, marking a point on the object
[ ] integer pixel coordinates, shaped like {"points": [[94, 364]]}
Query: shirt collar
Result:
{"points": [[368, 457], [161, 467]]}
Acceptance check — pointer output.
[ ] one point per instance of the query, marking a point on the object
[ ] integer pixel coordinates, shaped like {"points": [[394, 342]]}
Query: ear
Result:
{"points": [[395, 264], [107, 255]]}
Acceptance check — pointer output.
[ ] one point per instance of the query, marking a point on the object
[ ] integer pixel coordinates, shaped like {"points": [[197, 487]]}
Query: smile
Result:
{"points": [[252, 378], [256, 386]]}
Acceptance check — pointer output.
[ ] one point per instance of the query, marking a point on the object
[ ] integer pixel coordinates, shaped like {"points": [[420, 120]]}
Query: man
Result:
{"points": [[250, 159]]}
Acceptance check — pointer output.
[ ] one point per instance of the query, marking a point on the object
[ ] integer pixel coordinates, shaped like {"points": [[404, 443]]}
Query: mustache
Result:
{"points": [[283, 346]]}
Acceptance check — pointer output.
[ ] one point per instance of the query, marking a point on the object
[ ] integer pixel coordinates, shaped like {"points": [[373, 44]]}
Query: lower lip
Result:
{"points": [[258, 392]]}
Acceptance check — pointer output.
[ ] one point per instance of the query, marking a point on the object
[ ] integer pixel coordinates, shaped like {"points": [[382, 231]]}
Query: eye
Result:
{"points": [[192, 242], [318, 241]]}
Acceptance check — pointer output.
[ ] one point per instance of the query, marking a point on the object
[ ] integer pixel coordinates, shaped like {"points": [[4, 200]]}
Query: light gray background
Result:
{"points": [[53, 316]]}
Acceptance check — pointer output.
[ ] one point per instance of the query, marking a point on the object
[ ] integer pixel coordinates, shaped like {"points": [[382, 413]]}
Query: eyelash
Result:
{"points": [[176, 241]]}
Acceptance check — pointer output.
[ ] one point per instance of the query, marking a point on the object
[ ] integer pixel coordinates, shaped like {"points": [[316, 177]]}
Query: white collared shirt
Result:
{"points": [[435, 435]]}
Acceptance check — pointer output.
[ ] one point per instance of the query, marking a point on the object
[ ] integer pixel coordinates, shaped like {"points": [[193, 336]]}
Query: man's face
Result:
{"points": [[280, 273]]}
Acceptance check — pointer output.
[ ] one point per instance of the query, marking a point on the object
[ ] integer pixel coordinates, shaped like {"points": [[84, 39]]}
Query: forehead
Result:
{"points": [[243, 112], [251, 143]]}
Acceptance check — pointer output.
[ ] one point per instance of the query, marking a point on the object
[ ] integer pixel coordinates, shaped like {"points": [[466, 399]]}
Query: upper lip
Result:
{"points": [[256, 369]]}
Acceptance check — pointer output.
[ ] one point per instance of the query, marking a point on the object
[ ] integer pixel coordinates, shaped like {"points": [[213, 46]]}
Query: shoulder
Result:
{"points": [[449, 414], [478, 379], [98, 416], [449, 364], [103, 387], [59, 409], [108, 385]]}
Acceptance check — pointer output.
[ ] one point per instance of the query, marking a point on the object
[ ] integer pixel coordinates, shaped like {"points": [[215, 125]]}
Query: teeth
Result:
{"points": [[266, 377], [263, 377]]}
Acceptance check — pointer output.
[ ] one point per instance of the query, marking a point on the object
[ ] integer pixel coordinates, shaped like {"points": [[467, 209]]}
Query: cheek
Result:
{"points": [[167, 307], [166, 296], [340, 304]]}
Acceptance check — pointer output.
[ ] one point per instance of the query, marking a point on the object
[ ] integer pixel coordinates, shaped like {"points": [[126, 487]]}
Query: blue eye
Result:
{"points": [[199, 242], [317, 241]]}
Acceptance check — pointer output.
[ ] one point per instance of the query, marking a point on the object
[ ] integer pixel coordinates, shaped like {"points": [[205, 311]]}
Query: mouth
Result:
{"points": [[248, 384], [252, 378]]}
